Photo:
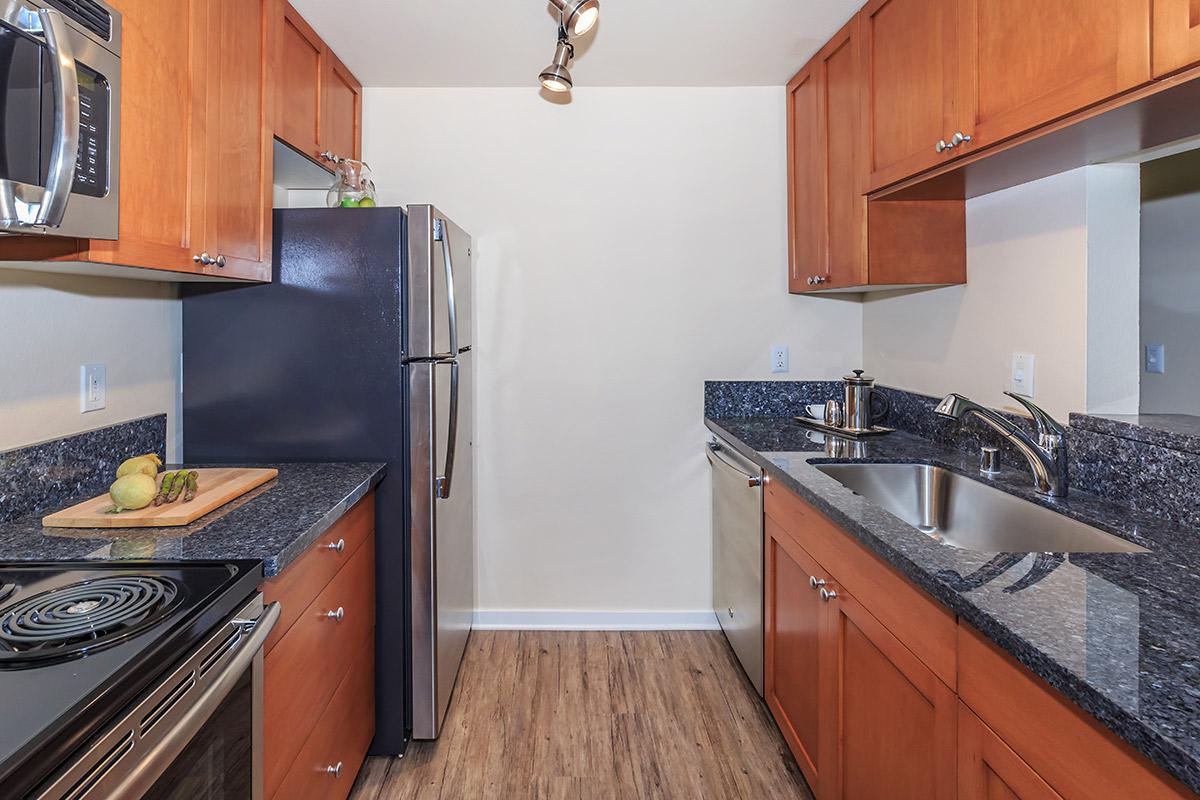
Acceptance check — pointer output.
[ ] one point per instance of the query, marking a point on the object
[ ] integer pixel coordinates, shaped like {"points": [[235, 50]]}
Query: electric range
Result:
{"points": [[83, 643]]}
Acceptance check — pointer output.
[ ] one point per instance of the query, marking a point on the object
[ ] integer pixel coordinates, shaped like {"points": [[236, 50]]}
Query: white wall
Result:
{"points": [[50, 324], [1170, 282], [628, 246], [1027, 291]]}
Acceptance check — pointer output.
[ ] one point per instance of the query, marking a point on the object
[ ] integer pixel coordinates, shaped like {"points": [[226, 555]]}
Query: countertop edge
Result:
{"points": [[274, 565], [1161, 751]]}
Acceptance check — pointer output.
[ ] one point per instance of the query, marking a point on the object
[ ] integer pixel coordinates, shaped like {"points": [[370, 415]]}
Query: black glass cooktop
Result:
{"points": [[79, 641]]}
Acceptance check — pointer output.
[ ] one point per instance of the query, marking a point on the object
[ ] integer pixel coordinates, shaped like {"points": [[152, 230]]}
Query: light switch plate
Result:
{"points": [[93, 387], [779, 358], [1023, 368], [1156, 359]]}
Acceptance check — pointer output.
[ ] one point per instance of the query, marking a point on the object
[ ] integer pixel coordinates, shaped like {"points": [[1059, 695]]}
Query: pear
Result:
{"points": [[133, 491], [147, 464]]}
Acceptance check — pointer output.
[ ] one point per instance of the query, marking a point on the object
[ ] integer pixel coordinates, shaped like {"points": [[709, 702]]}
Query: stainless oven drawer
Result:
{"points": [[737, 554]]}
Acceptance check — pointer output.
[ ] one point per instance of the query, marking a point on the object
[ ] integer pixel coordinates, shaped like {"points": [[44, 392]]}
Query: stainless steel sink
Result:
{"points": [[969, 514]]}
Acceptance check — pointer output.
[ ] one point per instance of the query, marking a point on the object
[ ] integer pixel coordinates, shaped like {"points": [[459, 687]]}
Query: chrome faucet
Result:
{"points": [[1047, 456]]}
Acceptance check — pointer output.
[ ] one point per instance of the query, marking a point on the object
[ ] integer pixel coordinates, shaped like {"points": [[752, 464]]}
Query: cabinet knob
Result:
{"points": [[959, 138], [220, 262], [206, 260], [942, 146], [338, 547], [819, 279], [828, 594], [815, 583], [329, 156], [810, 280], [337, 615], [334, 769]]}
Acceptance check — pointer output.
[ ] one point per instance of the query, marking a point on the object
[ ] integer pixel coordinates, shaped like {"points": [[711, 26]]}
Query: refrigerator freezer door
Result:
{"points": [[443, 535], [439, 285]]}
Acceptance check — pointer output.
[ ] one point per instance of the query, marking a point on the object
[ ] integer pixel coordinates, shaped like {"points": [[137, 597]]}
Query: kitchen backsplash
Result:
{"points": [[49, 475], [1148, 470]]}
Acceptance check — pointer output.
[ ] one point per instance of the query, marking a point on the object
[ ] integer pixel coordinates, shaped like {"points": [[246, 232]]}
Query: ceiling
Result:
{"points": [[636, 43]]}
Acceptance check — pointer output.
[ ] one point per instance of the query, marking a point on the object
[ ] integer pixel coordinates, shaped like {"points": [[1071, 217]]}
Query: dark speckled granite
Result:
{"points": [[44, 476], [1118, 633], [275, 523], [1172, 431]]}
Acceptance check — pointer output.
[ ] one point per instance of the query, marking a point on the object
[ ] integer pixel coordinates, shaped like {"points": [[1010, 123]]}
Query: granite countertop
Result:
{"points": [[273, 523], [1117, 633]]}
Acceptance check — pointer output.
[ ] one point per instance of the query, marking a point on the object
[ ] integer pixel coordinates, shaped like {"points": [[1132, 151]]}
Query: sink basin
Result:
{"points": [[969, 514]]}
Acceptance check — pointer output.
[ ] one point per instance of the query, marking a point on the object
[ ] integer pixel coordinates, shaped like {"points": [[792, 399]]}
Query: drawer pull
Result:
{"points": [[338, 615], [335, 770], [338, 547]]}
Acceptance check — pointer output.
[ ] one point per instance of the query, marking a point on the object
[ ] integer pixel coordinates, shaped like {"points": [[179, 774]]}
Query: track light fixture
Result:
{"points": [[576, 17]]}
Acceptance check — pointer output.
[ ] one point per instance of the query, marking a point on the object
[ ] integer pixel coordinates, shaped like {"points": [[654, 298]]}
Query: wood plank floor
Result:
{"points": [[596, 716]]}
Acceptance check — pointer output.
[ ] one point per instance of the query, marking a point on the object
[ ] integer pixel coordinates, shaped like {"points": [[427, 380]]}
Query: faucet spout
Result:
{"points": [[1047, 455]]}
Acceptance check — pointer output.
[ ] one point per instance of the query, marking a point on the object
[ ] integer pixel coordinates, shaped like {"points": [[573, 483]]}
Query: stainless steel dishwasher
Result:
{"points": [[737, 554]]}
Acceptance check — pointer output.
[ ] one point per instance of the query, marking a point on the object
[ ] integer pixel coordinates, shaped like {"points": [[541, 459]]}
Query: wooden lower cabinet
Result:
{"points": [[882, 693], [988, 769], [318, 675]]}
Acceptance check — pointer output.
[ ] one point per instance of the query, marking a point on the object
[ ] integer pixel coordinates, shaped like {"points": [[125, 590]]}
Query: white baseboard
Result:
{"points": [[549, 620]]}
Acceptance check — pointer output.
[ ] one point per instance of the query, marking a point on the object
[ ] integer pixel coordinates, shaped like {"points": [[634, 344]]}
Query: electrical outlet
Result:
{"points": [[1156, 359], [779, 359], [93, 387], [1023, 367]]}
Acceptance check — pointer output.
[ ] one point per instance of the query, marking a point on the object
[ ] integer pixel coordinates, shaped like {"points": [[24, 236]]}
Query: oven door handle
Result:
{"points": [[156, 760], [61, 174]]}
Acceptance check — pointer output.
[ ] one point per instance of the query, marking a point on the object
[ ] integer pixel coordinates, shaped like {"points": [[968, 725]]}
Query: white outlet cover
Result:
{"points": [[93, 387], [779, 358], [1023, 370]]}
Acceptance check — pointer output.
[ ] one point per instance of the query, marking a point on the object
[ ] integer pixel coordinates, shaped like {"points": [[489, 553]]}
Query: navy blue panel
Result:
{"points": [[308, 368]]}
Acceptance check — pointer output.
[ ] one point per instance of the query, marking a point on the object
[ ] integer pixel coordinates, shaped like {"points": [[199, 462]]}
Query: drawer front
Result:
{"points": [[925, 627], [302, 581], [1069, 749], [341, 736], [310, 661]]}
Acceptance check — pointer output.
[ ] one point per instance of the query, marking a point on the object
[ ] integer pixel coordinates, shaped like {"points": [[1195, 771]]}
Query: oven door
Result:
{"points": [[196, 736], [59, 126]]}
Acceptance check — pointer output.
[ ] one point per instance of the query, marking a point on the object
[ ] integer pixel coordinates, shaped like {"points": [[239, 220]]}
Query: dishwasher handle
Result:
{"points": [[716, 459]]}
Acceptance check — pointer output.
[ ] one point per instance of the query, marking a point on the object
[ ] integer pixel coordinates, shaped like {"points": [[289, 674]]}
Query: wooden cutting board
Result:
{"points": [[216, 487]]}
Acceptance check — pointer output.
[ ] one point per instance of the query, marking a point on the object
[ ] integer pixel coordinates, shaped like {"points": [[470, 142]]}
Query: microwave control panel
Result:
{"points": [[91, 164]]}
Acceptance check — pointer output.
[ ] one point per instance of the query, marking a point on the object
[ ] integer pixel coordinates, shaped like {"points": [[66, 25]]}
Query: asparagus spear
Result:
{"points": [[192, 484], [177, 486], [165, 489]]}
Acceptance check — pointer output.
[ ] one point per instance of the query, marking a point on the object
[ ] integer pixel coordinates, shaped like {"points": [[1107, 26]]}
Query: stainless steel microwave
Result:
{"points": [[60, 109]]}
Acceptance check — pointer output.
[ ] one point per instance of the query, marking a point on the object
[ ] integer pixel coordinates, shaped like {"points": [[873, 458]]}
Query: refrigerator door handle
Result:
{"points": [[443, 481], [440, 234]]}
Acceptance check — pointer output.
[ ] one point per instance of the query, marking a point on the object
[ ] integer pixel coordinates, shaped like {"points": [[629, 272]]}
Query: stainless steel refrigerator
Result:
{"points": [[360, 350]]}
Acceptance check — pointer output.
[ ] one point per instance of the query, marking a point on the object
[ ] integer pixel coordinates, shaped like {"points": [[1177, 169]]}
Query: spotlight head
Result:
{"points": [[556, 77], [578, 16]]}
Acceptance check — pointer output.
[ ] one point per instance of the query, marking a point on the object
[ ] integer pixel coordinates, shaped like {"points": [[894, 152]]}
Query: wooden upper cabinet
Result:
{"points": [[988, 769], [1029, 62], [806, 176], [341, 117], [318, 99], [298, 82], [794, 673], [841, 91], [913, 68], [1176, 31], [240, 165]]}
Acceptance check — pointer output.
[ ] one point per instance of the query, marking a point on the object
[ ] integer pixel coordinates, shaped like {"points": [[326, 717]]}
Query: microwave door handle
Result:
{"points": [[61, 176], [154, 762], [443, 481], [441, 233]]}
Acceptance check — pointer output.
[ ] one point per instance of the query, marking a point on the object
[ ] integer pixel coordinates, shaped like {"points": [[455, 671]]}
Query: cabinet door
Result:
{"points": [[796, 690], [806, 180], [989, 770], [298, 78], [840, 64], [1176, 35], [913, 68], [341, 117], [895, 720], [163, 129], [1034, 61], [239, 141]]}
